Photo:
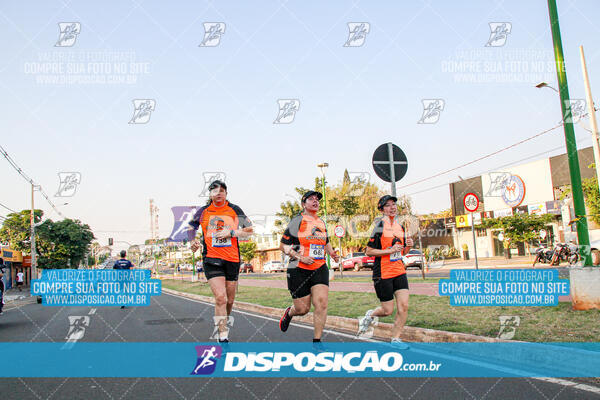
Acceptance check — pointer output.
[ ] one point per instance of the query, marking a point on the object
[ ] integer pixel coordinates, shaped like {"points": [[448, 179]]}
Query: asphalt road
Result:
{"points": [[174, 319]]}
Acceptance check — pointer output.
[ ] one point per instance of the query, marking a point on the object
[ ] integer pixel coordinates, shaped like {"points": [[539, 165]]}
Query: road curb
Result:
{"points": [[350, 325]]}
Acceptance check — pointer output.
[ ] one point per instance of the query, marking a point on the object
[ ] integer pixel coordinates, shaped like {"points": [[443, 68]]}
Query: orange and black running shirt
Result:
{"points": [[213, 219], [308, 236], [386, 233]]}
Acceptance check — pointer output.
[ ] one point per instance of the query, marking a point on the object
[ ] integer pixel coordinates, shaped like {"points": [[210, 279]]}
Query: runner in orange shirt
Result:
{"points": [[306, 241], [388, 244], [222, 223]]}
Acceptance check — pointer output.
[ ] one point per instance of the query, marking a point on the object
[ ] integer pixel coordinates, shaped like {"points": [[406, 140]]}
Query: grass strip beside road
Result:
{"points": [[282, 277], [538, 324]]}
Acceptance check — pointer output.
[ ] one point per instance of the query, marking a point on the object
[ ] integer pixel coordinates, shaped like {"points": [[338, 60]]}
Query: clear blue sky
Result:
{"points": [[215, 106]]}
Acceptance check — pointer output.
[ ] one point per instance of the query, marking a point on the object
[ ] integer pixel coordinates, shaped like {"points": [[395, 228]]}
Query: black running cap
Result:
{"points": [[384, 199], [310, 193], [217, 183]]}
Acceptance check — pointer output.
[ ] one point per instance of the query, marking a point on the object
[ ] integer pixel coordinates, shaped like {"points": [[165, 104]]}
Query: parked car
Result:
{"points": [[414, 258], [247, 268], [273, 266], [357, 261]]}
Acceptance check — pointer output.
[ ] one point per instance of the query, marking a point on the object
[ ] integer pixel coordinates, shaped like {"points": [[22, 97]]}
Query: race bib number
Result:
{"points": [[317, 251], [221, 242], [396, 256]]}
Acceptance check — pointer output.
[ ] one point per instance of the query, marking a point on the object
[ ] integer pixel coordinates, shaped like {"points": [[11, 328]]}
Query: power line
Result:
{"points": [[8, 208], [27, 178], [482, 158], [497, 168]]}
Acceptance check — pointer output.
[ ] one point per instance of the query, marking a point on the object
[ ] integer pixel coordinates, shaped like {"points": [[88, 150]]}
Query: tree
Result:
{"points": [[16, 229], [247, 250], [518, 228], [63, 244]]}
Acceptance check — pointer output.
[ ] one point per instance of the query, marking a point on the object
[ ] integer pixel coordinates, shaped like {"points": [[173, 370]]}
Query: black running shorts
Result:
{"points": [[385, 288], [214, 267], [301, 280]]}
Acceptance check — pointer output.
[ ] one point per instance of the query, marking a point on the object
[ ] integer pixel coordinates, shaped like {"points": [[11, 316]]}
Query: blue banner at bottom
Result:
{"points": [[348, 359]]}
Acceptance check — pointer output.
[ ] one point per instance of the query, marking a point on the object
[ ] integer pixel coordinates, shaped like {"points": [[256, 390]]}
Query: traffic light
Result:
{"points": [[110, 241]]}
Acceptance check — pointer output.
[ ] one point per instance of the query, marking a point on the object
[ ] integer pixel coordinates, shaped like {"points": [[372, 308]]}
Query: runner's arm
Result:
{"points": [[329, 249]]}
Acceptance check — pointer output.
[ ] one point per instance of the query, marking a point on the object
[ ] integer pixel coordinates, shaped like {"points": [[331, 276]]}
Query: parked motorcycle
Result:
{"points": [[560, 252], [543, 255]]}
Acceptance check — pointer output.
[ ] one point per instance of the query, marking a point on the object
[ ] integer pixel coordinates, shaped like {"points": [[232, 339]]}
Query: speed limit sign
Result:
{"points": [[471, 202], [339, 231]]}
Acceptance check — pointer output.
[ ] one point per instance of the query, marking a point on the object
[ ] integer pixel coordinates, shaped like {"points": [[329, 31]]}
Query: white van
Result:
{"points": [[273, 266]]}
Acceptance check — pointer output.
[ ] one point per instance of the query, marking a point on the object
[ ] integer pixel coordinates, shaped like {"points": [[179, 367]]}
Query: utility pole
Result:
{"points": [[578, 203], [32, 222], [592, 112]]}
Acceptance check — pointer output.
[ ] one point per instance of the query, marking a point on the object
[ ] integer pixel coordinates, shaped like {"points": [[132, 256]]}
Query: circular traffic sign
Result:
{"points": [[387, 155], [501, 236], [339, 231], [543, 234], [471, 202]]}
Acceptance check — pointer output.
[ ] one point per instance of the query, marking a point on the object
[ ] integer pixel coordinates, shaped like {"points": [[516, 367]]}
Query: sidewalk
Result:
{"points": [[13, 294]]}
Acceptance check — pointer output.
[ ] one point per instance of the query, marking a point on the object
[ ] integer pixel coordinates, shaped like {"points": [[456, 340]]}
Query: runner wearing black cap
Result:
{"points": [[388, 244], [306, 241], [222, 223]]}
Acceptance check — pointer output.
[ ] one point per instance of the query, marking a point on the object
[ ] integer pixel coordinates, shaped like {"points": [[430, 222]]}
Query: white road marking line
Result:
{"points": [[92, 311], [557, 381]]}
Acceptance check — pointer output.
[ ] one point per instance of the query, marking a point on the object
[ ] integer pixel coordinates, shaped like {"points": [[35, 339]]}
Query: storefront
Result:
{"points": [[536, 187], [13, 263]]}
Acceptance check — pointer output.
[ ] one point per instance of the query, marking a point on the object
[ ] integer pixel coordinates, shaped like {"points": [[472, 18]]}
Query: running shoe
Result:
{"points": [[399, 344], [285, 320], [365, 322]]}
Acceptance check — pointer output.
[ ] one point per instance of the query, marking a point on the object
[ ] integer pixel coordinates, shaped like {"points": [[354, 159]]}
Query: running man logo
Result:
{"points": [[182, 215], [498, 181], [142, 108], [68, 183], [287, 111], [499, 34], [212, 34], [358, 183], [68, 33], [210, 177], [357, 33], [432, 109], [220, 320], [207, 359], [508, 326], [575, 110], [77, 325]]}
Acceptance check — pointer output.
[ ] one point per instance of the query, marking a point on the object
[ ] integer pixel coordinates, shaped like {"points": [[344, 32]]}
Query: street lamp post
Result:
{"points": [[563, 88], [323, 168]]}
